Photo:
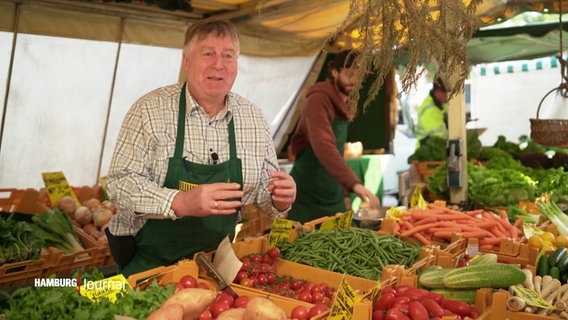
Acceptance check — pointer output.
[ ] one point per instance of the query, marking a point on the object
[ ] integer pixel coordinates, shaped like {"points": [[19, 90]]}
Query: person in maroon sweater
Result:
{"points": [[323, 178]]}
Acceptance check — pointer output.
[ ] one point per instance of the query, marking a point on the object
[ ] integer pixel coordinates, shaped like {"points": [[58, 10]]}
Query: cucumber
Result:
{"points": [[432, 277], [554, 272], [563, 264], [465, 295], [543, 265], [496, 275], [483, 259], [557, 255]]}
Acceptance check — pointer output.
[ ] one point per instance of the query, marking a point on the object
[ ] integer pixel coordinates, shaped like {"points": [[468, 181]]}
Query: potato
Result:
{"points": [[260, 308], [232, 314], [167, 312], [193, 301]]}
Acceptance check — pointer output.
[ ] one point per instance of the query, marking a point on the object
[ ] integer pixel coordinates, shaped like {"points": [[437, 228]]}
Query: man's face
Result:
{"points": [[345, 79], [211, 67]]}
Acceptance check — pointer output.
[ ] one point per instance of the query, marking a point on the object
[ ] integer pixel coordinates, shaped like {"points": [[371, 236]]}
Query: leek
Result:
{"points": [[553, 213], [56, 229]]}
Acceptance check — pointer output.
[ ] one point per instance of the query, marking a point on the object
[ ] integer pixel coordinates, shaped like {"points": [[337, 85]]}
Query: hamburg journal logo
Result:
{"points": [[112, 288]]}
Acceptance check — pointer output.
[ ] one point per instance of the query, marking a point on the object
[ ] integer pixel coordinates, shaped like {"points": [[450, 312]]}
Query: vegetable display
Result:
{"points": [[55, 227], [18, 241], [357, 252]]}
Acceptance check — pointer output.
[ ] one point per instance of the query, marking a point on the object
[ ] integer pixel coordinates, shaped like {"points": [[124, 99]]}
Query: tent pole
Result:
{"points": [[15, 29]]}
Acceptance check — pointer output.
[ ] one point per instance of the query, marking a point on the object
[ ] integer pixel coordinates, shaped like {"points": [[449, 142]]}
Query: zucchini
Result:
{"points": [[563, 264], [497, 275], [554, 273], [543, 265], [557, 255], [432, 277], [465, 295], [483, 259]]}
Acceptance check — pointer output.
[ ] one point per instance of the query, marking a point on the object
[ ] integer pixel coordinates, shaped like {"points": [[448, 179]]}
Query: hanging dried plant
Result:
{"points": [[426, 32]]}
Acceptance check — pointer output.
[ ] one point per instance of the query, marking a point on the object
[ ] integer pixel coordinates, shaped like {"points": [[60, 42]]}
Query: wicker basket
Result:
{"points": [[549, 132]]}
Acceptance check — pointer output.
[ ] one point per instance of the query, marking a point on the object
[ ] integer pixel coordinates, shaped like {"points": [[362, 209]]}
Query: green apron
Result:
{"points": [[318, 193], [164, 241]]}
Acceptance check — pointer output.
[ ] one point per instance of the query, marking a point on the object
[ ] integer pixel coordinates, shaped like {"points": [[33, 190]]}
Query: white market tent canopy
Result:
{"points": [[71, 69]]}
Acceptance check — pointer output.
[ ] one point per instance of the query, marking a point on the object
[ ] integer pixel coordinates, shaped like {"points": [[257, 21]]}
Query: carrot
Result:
{"points": [[518, 222], [473, 213], [504, 217], [444, 234], [422, 238], [425, 220], [490, 240], [487, 247], [419, 214], [484, 224], [419, 228], [479, 234]]}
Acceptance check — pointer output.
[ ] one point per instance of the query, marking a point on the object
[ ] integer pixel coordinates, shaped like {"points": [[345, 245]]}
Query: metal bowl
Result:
{"points": [[368, 218]]}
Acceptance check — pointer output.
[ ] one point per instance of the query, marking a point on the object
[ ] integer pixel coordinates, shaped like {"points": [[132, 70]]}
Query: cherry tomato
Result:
{"points": [[270, 278], [241, 302], [178, 286], [203, 285], [218, 307], [240, 276], [225, 297], [206, 315], [255, 258], [417, 311], [300, 313], [247, 282], [274, 252], [305, 296], [267, 259], [188, 281], [317, 309], [317, 297], [295, 284], [262, 278]]}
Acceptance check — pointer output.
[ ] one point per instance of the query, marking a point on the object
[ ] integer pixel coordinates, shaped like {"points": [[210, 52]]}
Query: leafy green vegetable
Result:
{"points": [[18, 241], [64, 303], [55, 227]]}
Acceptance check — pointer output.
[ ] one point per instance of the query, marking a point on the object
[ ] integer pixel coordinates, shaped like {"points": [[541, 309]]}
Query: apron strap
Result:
{"points": [[181, 124]]}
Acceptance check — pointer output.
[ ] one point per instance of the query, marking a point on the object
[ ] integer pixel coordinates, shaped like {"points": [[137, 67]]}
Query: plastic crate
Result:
{"points": [[62, 264], [498, 310], [102, 244], [23, 272]]}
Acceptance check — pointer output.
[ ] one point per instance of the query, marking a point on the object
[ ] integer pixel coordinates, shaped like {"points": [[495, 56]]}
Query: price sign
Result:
{"points": [[376, 293], [342, 220], [532, 298], [417, 200], [57, 186], [280, 232], [345, 299]]}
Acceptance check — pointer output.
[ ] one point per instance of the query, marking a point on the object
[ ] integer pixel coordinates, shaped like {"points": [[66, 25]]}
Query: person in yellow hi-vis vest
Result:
{"points": [[433, 114]]}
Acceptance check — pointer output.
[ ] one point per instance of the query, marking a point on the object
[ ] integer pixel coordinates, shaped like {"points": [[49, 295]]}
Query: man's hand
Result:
{"points": [[367, 196], [208, 199], [283, 189]]}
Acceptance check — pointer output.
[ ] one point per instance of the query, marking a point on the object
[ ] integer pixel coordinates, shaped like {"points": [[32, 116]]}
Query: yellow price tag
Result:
{"points": [[417, 200], [531, 297], [57, 186], [345, 299], [376, 293], [280, 232], [396, 213], [342, 220], [530, 230], [112, 288]]}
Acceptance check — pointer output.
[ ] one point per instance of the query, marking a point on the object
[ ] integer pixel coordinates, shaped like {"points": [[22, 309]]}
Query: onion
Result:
{"points": [[91, 203], [83, 215], [109, 205], [101, 216], [68, 205], [91, 230]]}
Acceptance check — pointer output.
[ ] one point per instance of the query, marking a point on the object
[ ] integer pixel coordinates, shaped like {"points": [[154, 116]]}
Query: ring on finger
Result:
{"points": [[216, 205]]}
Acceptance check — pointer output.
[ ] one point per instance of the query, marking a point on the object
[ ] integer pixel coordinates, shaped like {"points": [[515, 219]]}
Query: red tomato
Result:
{"points": [[317, 297], [206, 315], [255, 258], [178, 286], [203, 285], [241, 302], [188, 281], [295, 284], [379, 315], [458, 307], [305, 296], [270, 278], [417, 311], [394, 314], [274, 253], [433, 307], [300, 313], [384, 302], [225, 297], [401, 289], [218, 307], [317, 309], [267, 259], [240, 276], [247, 282], [262, 278]]}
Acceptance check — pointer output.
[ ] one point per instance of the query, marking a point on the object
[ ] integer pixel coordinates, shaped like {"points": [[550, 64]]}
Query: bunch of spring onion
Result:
{"points": [[553, 213]]}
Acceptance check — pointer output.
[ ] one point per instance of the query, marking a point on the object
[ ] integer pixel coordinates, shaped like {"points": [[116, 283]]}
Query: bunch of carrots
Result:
{"points": [[438, 224]]}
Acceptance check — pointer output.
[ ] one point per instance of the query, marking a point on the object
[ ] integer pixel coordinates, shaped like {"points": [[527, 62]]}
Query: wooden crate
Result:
{"points": [[23, 272], [426, 168], [254, 223]]}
